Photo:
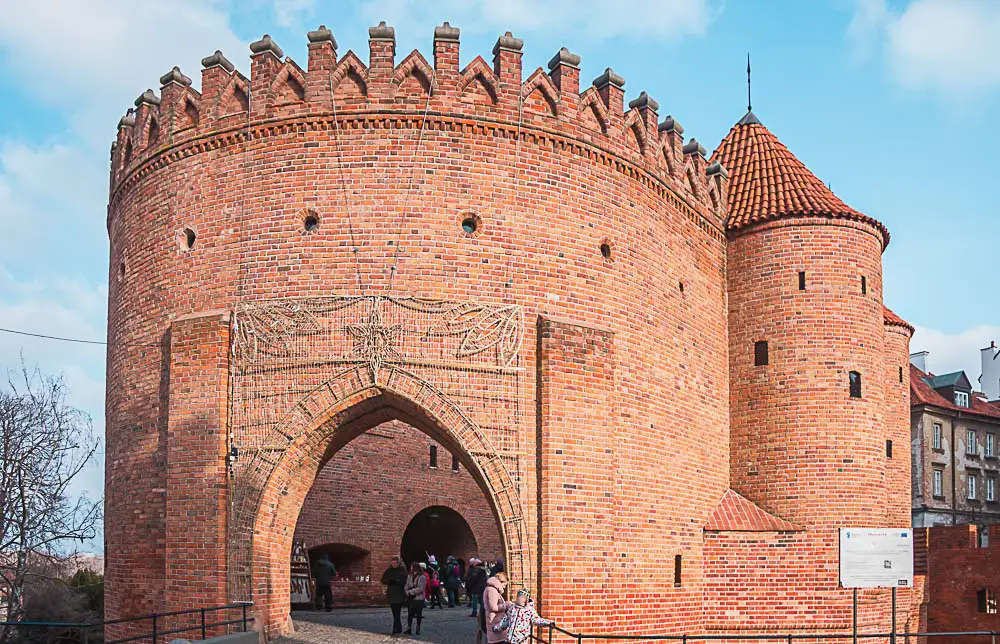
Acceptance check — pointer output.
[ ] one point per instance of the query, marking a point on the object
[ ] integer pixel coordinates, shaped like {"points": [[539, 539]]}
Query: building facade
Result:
{"points": [[638, 352], [956, 457]]}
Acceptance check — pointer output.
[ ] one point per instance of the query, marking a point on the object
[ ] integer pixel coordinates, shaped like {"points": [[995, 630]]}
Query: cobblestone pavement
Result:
{"points": [[373, 625]]}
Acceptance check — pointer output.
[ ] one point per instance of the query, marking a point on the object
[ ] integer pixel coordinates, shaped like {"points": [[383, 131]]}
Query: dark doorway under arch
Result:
{"points": [[440, 531], [350, 561]]}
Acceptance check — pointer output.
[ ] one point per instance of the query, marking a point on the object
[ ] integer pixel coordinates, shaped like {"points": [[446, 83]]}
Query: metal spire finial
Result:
{"points": [[749, 103]]}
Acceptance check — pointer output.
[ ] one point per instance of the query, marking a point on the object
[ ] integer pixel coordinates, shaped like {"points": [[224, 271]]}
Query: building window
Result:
{"points": [[855, 381], [937, 436], [961, 399], [760, 353], [864, 285], [677, 570], [991, 488], [938, 481], [454, 463], [434, 456], [990, 443], [802, 280], [986, 601], [971, 443], [888, 449], [972, 487], [901, 374]]}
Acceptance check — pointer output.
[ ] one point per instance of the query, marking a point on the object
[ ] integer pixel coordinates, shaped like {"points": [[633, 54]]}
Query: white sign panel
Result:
{"points": [[876, 558]]}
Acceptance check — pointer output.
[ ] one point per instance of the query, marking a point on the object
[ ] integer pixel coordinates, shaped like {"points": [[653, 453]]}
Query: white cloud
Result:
{"points": [[588, 19], [93, 58], [945, 46], [955, 351], [289, 13]]}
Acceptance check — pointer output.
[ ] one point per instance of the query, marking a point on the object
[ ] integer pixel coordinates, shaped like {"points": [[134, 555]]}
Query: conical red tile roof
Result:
{"points": [[767, 181], [892, 319]]}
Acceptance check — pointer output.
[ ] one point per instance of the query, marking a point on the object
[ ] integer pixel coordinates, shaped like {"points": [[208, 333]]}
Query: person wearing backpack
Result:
{"points": [[475, 584], [452, 580]]}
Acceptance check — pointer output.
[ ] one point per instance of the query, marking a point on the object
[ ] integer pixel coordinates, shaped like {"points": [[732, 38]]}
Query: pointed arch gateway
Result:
{"points": [[309, 375]]}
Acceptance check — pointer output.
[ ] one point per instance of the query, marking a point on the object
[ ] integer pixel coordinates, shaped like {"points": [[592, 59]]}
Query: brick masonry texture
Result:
{"points": [[368, 493], [639, 401]]}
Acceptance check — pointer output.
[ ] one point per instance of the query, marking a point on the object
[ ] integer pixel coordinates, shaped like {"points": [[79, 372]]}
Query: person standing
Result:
{"points": [[435, 586], [494, 608], [452, 580], [394, 579], [475, 584], [416, 591], [323, 573], [520, 619]]}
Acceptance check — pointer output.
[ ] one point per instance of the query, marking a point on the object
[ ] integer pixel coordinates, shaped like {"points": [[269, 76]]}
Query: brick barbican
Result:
{"points": [[707, 381]]}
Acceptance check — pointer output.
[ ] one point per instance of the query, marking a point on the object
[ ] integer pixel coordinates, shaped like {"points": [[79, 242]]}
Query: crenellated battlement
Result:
{"points": [[548, 102]]}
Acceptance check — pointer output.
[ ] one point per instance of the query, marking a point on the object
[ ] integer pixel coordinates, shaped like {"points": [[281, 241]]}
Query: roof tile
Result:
{"points": [[921, 393], [767, 181], [891, 319], [735, 513]]}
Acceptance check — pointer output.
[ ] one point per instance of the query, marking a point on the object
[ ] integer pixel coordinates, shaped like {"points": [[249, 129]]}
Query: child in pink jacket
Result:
{"points": [[520, 618]]}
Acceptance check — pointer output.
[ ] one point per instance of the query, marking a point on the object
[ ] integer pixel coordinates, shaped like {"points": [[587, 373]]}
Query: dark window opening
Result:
{"points": [[677, 570], [470, 225], [311, 222], [189, 238], [434, 456], [901, 374], [888, 449], [606, 250], [760, 353], [680, 285], [802, 280], [864, 285], [454, 463], [855, 380], [986, 601]]}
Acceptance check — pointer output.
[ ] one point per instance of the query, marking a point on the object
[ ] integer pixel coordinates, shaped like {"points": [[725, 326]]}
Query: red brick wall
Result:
{"points": [[956, 570], [897, 426], [802, 448], [371, 489]]}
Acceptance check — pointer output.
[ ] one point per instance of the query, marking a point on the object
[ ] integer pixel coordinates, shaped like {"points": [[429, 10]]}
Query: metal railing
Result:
{"points": [[554, 635], [160, 625]]}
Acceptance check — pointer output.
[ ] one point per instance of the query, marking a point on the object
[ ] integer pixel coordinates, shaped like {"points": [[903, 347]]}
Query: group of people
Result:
{"points": [[501, 621]]}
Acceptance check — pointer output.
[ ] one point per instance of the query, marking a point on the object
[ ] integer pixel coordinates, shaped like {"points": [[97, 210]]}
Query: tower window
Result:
{"points": [[855, 381], [888, 449], [760, 353], [677, 570], [802, 280], [986, 601], [864, 285], [901, 374], [454, 463], [434, 456]]}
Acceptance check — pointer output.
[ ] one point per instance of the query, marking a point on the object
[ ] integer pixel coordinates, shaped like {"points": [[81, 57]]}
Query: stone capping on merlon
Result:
{"points": [[279, 88]]}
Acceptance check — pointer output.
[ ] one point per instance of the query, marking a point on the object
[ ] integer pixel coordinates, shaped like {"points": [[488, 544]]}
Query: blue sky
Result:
{"points": [[892, 102]]}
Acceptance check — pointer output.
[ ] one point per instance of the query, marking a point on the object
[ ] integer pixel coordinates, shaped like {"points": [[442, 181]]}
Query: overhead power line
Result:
{"points": [[52, 337]]}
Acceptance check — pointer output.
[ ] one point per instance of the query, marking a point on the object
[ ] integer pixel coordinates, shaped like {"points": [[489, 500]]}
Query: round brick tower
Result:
{"points": [[531, 274], [806, 339]]}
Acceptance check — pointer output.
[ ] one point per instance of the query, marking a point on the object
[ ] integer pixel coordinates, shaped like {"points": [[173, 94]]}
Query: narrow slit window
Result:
{"points": [[434, 456], [888, 449], [802, 280], [454, 463], [901, 374], [760, 357], [855, 383], [864, 285], [677, 570]]}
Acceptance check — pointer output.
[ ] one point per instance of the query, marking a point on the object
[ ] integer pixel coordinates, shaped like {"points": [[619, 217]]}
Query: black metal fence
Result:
{"points": [[198, 623], [555, 635]]}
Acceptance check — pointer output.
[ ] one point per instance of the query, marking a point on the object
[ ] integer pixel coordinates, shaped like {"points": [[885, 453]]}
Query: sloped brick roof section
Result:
{"points": [[736, 513]]}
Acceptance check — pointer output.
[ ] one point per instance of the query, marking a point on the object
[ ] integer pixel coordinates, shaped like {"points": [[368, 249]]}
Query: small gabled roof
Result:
{"points": [[954, 379], [736, 513], [921, 393], [767, 181]]}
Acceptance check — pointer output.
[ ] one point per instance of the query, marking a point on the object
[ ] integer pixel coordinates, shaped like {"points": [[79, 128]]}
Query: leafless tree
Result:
{"points": [[45, 444]]}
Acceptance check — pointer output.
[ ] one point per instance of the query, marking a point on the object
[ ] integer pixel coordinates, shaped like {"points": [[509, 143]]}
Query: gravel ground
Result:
{"points": [[373, 625]]}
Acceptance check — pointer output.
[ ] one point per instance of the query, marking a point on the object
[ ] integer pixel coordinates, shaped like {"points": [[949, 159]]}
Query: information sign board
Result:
{"points": [[876, 557]]}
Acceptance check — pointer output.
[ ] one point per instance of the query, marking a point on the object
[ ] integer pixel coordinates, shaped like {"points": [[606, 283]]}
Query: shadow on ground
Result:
{"points": [[373, 625]]}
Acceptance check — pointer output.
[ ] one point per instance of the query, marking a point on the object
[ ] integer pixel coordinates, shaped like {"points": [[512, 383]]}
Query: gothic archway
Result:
{"points": [[440, 531], [288, 416]]}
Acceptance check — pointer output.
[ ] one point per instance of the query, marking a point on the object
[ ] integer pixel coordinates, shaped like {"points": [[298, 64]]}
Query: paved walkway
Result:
{"points": [[373, 625]]}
